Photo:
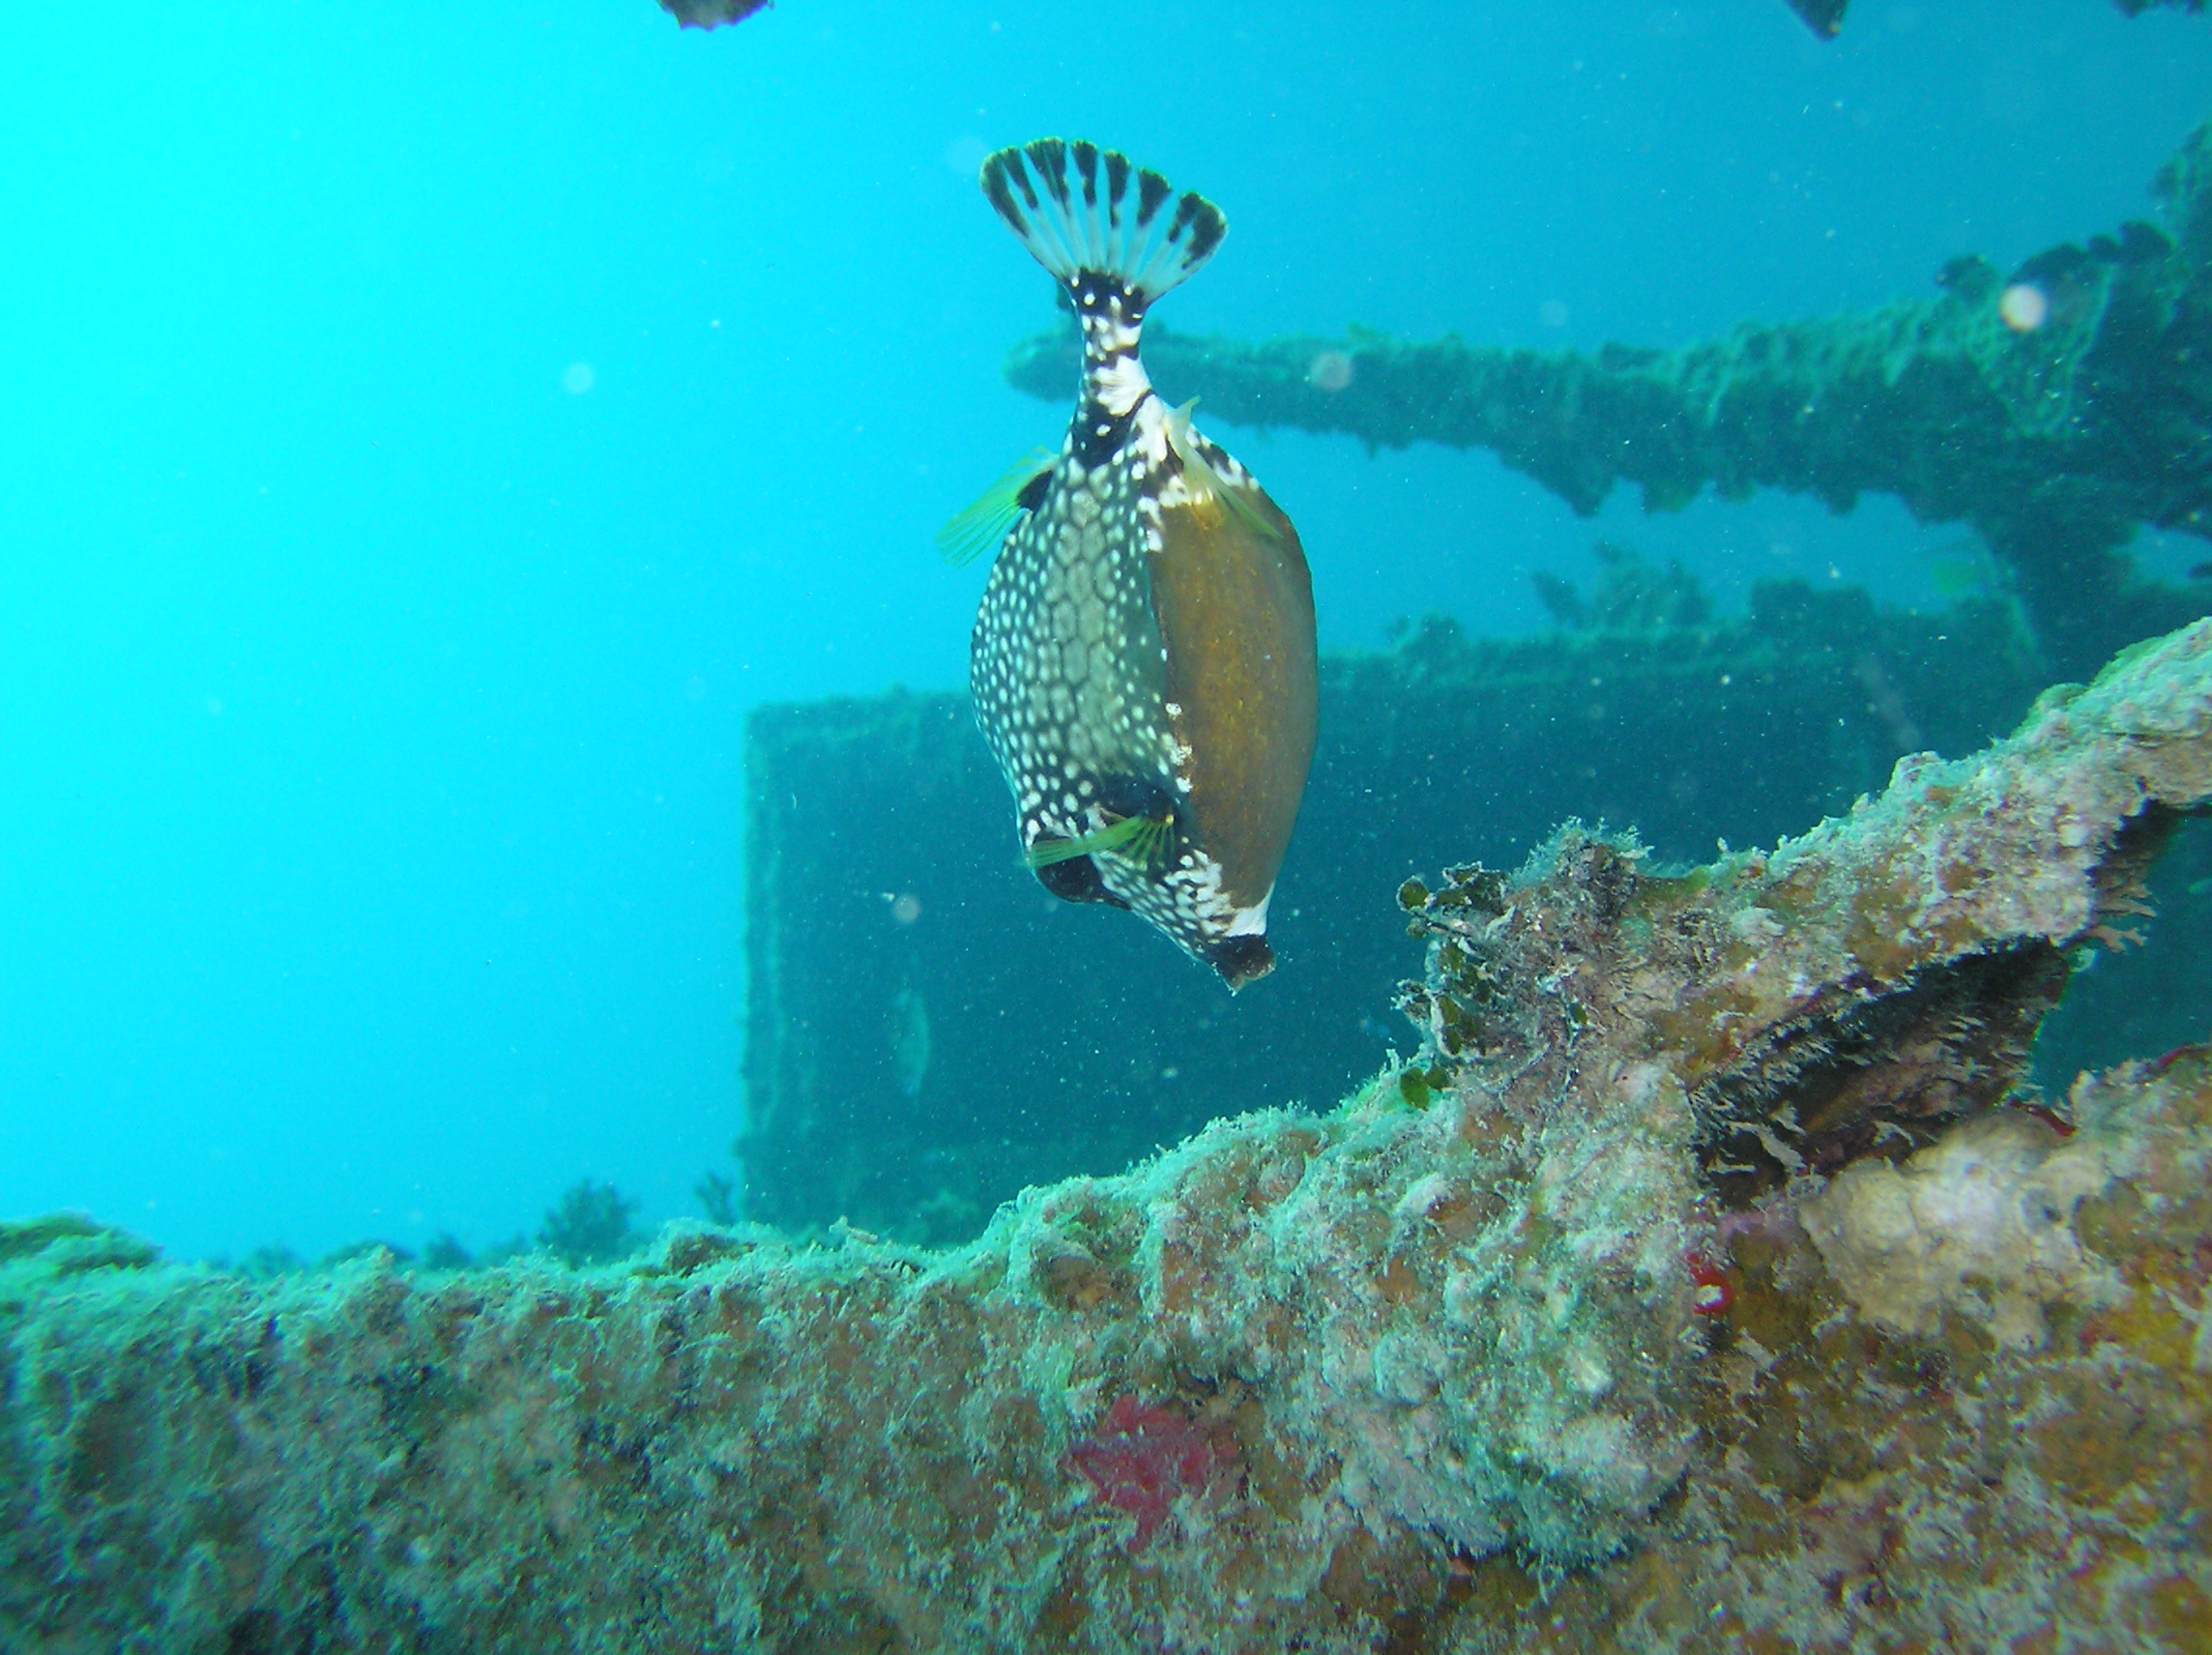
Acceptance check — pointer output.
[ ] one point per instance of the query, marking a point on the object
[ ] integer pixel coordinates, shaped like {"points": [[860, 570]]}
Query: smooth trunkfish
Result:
{"points": [[1143, 663]]}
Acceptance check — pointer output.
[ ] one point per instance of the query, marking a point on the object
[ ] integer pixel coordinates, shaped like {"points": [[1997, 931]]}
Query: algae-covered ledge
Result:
{"points": [[1598, 1326]]}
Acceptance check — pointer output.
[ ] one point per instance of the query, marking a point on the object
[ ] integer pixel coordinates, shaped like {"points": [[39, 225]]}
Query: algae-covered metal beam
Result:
{"points": [[2056, 409], [1451, 1367], [1826, 17], [712, 14]]}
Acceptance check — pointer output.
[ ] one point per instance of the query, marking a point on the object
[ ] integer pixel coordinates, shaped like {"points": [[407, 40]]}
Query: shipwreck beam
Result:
{"points": [[2056, 439]]}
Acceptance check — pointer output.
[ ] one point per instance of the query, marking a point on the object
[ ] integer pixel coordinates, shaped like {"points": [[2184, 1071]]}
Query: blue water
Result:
{"points": [[430, 428]]}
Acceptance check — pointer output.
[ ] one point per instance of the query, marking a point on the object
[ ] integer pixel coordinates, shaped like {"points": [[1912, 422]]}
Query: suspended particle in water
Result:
{"points": [[578, 379], [2023, 308], [1329, 370]]}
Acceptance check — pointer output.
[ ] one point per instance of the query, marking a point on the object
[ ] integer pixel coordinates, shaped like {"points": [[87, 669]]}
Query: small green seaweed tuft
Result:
{"points": [[719, 1198], [270, 1260], [445, 1252], [591, 1226]]}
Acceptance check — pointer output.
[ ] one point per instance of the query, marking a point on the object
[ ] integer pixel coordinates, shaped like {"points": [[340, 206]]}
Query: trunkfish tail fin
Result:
{"points": [[1078, 208]]}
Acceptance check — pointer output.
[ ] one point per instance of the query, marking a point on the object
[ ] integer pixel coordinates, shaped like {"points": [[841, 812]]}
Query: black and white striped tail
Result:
{"points": [[1079, 208]]}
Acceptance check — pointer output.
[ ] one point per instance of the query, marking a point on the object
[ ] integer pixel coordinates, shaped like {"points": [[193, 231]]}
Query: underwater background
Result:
{"points": [[428, 436]]}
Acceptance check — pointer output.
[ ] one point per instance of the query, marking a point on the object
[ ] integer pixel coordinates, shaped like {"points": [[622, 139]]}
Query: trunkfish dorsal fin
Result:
{"points": [[1079, 208]]}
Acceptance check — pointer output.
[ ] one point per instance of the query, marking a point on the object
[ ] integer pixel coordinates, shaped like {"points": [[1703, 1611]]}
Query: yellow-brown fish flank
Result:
{"points": [[1142, 662]]}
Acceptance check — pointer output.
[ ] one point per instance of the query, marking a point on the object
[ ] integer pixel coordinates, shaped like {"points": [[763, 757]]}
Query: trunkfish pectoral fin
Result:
{"points": [[985, 526], [1139, 839]]}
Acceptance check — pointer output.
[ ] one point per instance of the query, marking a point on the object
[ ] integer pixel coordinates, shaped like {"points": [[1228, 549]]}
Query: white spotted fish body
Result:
{"points": [[1143, 663]]}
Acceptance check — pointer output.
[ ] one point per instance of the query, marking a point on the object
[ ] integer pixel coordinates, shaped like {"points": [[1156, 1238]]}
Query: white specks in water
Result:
{"points": [[1329, 370], [2023, 308]]}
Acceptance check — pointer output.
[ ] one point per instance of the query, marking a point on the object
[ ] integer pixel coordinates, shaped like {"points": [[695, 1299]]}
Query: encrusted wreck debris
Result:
{"points": [[1802, 1047], [712, 14], [1698, 1282], [1826, 17], [2056, 424]]}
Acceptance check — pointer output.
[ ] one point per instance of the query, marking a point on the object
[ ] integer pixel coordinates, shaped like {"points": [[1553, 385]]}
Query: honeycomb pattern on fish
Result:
{"points": [[1068, 667]]}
